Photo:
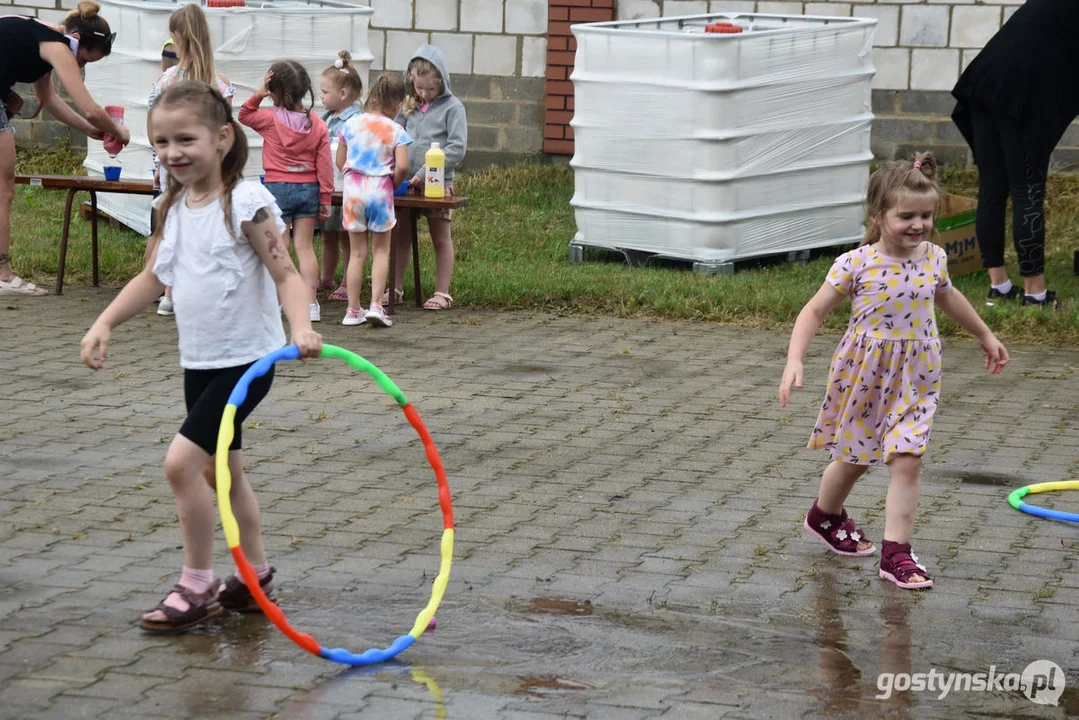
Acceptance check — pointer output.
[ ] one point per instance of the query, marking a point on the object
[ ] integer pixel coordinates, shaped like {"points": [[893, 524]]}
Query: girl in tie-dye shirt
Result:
{"points": [[373, 153]]}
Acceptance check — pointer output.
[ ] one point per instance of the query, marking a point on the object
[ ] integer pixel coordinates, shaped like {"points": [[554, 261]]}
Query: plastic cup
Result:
{"points": [[402, 189], [116, 112], [112, 172]]}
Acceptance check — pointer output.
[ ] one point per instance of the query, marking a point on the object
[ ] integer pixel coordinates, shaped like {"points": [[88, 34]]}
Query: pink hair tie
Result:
{"points": [[917, 164]]}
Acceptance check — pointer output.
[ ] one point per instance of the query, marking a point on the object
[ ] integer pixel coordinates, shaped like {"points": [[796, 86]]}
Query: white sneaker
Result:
{"points": [[354, 317], [377, 316], [165, 306], [316, 312]]}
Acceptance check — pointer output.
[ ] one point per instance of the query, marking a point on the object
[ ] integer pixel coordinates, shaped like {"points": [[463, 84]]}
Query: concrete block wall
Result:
{"points": [[503, 60], [496, 51], [921, 47]]}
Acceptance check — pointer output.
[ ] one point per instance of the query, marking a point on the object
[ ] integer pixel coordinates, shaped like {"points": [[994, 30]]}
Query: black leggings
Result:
{"points": [[1006, 167]]}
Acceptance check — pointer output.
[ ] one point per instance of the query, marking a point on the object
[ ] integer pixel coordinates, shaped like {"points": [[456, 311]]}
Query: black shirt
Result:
{"points": [[20, 52], [1028, 71]]}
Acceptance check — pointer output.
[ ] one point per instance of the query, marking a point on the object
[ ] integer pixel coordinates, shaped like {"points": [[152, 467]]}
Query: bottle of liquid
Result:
{"points": [[434, 184], [112, 144]]}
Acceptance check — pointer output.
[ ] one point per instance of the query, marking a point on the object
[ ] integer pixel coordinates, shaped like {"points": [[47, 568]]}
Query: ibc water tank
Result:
{"points": [[246, 41], [710, 147]]}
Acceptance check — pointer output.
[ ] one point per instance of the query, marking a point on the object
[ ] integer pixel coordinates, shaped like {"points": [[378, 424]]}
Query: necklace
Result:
{"points": [[193, 199]]}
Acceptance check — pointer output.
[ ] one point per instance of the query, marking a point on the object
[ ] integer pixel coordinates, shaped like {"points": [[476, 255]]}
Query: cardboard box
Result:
{"points": [[955, 233]]}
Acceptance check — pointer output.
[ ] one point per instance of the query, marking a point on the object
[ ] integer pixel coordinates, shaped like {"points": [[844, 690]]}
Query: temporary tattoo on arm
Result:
{"points": [[3, 258], [261, 216], [278, 253]]}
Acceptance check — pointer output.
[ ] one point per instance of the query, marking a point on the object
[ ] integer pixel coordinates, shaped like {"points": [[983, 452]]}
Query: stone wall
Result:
{"points": [[498, 55]]}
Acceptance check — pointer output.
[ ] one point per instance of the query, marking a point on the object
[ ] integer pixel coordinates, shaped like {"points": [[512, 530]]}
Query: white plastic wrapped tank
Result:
{"points": [[246, 41], [711, 147]]}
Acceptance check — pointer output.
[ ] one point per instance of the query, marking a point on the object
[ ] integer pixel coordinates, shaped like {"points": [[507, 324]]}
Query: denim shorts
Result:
{"points": [[296, 200]]}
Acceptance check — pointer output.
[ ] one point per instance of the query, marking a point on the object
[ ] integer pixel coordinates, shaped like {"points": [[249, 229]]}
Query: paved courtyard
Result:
{"points": [[628, 498]]}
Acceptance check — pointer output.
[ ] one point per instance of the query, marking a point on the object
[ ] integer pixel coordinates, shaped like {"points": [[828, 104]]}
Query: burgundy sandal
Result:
{"points": [[838, 532], [898, 564], [201, 607], [234, 594]]}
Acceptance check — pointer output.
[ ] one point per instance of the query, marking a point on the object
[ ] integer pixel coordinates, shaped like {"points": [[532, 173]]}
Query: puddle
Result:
{"points": [[976, 478], [560, 606], [528, 369], [816, 655], [538, 685]]}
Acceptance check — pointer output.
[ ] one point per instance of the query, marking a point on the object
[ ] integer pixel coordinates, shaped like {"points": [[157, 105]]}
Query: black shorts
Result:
{"points": [[207, 393]]}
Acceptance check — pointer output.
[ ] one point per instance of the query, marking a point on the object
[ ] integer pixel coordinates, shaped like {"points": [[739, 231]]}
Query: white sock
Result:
{"points": [[1004, 288], [1039, 296]]}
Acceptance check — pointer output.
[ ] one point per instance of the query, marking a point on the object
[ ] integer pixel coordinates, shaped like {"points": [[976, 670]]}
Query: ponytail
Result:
{"points": [[920, 175], [387, 93], [211, 108], [344, 75]]}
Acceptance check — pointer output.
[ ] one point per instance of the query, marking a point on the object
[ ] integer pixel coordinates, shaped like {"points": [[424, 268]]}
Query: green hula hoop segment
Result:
{"points": [[232, 529], [1015, 499]]}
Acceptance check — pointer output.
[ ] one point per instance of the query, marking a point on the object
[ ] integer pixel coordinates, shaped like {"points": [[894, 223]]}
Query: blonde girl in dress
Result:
{"points": [[884, 380]]}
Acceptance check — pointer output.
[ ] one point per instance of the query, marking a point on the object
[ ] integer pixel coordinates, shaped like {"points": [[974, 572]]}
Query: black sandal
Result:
{"points": [[201, 607], [234, 595]]}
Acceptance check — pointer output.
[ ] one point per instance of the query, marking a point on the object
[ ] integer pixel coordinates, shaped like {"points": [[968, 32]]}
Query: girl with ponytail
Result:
{"points": [[219, 245], [884, 381]]}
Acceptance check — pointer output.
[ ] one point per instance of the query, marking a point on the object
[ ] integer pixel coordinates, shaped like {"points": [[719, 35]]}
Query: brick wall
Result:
{"points": [[561, 46]]}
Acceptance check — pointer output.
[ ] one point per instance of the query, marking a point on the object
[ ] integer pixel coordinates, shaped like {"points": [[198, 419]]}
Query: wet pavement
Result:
{"points": [[628, 499]]}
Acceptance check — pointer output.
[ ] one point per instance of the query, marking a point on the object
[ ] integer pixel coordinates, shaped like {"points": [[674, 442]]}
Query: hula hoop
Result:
{"points": [[232, 528], [1015, 499]]}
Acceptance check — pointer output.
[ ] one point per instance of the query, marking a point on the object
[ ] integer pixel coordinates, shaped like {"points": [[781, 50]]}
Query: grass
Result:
{"points": [[512, 253]]}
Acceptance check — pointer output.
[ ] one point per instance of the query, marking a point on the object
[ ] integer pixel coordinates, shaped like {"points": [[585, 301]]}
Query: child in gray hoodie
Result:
{"points": [[431, 113]]}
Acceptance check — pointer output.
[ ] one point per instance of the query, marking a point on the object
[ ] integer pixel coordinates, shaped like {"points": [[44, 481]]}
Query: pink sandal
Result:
{"points": [[898, 564], [838, 532], [340, 294]]}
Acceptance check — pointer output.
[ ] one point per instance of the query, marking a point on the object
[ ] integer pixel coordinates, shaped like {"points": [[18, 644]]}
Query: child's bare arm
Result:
{"points": [[136, 296], [264, 236], [400, 170], [342, 156], [955, 305], [805, 327]]}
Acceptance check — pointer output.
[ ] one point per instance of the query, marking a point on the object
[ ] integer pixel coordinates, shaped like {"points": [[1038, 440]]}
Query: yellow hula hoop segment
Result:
{"points": [[232, 529]]}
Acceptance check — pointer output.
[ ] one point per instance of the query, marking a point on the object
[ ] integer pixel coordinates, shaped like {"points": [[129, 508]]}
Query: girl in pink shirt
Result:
{"points": [[296, 160]]}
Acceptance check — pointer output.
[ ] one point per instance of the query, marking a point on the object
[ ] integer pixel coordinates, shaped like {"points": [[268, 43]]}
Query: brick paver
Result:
{"points": [[628, 499]]}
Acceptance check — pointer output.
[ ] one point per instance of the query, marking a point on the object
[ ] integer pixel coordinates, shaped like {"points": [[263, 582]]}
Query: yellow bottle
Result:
{"points": [[434, 184]]}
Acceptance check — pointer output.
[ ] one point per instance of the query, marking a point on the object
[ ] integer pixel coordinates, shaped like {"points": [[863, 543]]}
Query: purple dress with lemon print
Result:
{"points": [[884, 381]]}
